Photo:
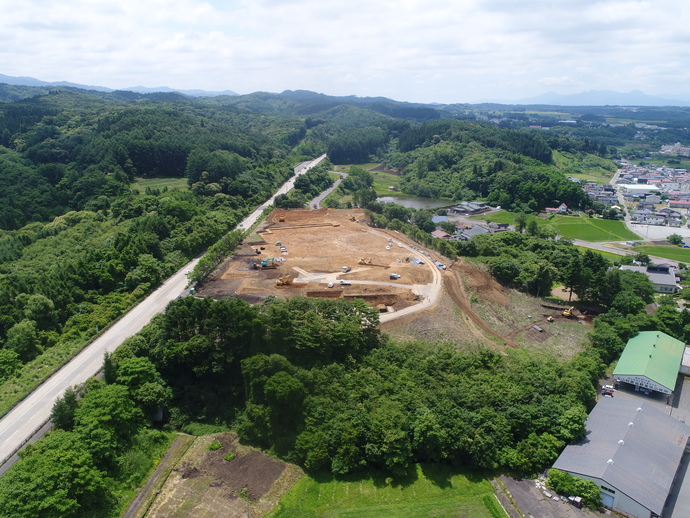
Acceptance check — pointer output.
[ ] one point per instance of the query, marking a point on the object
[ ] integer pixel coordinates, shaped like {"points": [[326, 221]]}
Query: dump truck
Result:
{"points": [[285, 280]]}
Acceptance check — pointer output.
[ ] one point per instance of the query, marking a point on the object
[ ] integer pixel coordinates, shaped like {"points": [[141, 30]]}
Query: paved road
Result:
{"points": [[316, 202], [21, 423]]}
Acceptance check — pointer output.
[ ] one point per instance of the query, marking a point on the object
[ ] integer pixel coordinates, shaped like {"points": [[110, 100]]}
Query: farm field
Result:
{"points": [[161, 183], [232, 480], [673, 253], [592, 229], [574, 227], [431, 490]]}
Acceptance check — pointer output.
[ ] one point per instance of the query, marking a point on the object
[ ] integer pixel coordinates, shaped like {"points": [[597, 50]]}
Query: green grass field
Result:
{"points": [[161, 183], [383, 182], [431, 490], [592, 229], [574, 227], [674, 253]]}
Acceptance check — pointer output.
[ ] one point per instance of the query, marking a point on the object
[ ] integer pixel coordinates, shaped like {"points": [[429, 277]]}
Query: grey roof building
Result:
{"points": [[663, 277], [632, 452]]}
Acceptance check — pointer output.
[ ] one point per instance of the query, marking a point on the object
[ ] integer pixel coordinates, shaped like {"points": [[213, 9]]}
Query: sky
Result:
{"points": [[450, 51]]}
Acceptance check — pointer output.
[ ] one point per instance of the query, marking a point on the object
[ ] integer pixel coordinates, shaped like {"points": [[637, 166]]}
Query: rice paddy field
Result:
{"points": [[429, 490]]}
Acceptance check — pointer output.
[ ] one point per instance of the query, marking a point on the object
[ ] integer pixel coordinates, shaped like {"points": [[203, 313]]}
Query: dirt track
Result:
{"points": [[458, 293]]}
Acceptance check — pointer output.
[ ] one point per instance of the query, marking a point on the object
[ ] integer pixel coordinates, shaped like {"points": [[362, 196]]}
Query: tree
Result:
{"points": [[675, 239], [64, 410], [55, 478], [520, 221], [22, 338]]}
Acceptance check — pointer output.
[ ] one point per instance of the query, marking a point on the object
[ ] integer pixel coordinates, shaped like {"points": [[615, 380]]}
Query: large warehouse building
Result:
{"points": [[632, 452], [651, 361]]}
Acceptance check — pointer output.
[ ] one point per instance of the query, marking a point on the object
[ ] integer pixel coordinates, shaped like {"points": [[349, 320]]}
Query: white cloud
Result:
{"points": [[456, 51]]}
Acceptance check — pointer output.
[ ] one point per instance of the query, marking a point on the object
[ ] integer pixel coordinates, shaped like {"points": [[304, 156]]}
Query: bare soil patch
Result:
{"points": [[204, 484], [318, 244]]}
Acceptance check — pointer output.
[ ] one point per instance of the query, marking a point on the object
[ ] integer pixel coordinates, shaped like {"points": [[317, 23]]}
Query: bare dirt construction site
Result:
{"points": [[305, 251]]}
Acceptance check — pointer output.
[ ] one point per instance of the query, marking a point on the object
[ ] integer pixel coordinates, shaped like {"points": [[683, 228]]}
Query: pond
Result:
{"points": [[416, 202]]}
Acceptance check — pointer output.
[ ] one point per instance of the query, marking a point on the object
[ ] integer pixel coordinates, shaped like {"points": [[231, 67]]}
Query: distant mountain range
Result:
{"points": [[30, 81], [605, 98], [590, 98]]}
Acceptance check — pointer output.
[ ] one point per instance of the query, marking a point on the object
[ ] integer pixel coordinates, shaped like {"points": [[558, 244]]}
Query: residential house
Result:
{"points": [[663, 276]]}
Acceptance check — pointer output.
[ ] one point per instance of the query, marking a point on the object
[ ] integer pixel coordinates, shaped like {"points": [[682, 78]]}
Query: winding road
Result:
{"points": [[32, 414]]}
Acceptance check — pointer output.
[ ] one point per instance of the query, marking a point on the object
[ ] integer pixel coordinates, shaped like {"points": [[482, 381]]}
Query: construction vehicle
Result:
{"points": [[549, 319], [269, 263], [568, 312], [285, 280], [352, 218], [394, 276], [281, 218], [363, 261]]}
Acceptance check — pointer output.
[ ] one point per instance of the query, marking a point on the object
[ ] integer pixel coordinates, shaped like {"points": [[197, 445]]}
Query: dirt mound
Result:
{"points": [[479, 281]]}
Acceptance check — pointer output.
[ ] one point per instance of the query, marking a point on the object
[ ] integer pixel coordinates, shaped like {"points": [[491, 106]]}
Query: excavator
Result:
{"points": [[568, 312]]}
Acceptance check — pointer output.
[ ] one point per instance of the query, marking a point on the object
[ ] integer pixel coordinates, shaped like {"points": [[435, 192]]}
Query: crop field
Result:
{"points": [[574, 227], [161, 183], [431, 490], [592, 229], [674, 253]]}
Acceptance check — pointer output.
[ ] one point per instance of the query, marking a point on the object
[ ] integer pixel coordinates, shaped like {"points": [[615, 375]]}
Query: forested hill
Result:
{"points": [[467, 160], [79, 245]]}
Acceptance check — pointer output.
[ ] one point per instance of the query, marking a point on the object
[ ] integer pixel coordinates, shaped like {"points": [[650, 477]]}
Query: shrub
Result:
{"points": [[566, 484], [215, 445], [230, 456]]}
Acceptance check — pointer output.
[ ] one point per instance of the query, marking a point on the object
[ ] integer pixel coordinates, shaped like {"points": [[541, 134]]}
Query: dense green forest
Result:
{"points": [[466, 160]]}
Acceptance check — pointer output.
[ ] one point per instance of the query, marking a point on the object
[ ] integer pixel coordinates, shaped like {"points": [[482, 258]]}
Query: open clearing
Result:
{"points": [[205, 485], [429, 490], [674, 253], [317, 245]]}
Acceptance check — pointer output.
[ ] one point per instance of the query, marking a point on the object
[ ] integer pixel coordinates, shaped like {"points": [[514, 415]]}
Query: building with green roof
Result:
{"points": [[651, 361]]}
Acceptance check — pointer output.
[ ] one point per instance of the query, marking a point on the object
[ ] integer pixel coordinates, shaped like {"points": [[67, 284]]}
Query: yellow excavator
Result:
{"points": [[568, 312], [364, 261]]}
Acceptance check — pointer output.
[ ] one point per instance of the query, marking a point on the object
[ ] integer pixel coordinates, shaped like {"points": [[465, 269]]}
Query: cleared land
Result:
{"points": [[430, 490], [205, 485], [318, 244], [161, 183]]}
